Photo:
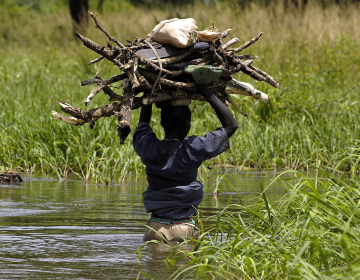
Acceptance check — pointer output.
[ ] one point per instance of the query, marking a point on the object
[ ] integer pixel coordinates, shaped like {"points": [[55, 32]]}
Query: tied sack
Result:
{"points": [[180, 33], [207, 35]]}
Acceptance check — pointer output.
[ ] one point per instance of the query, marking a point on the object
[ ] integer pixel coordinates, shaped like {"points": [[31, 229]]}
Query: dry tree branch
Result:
{"points": [[110, 55], [96, 60], [109, 81], [101, 85], [247, 44], [169, 83], [97, 80], [151, 64], [124, 115], [66, 119], [270, 80], [230, 43], [130, 69], [92, 114], [111, 38], [224, 34], [253, 72]]}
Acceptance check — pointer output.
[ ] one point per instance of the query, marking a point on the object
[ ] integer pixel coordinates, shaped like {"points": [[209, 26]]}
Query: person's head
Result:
{"points": [[176, 120]]}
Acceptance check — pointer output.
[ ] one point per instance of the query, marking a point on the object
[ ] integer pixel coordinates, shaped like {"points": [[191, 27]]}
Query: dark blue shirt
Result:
{"points": [[173, 190]]}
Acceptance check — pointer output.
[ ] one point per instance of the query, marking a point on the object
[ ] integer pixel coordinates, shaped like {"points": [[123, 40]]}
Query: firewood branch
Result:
{"points": [[164, 78], [111, 38], [247, 44], [110, 55]]}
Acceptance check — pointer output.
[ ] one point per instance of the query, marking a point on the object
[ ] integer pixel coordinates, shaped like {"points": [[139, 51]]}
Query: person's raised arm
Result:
{"points": [[145, 114], [224, 114]]}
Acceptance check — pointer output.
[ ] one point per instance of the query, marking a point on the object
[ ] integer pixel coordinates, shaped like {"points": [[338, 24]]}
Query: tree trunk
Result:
{"points": [[78, 12]]}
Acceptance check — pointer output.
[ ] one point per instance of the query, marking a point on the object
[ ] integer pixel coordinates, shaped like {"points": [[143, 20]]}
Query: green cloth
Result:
{"points": [[204, 74]]}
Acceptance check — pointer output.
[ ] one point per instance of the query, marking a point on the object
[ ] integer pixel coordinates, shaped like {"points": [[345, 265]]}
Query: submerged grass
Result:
{"points": [[313, 232], [311, 119]]}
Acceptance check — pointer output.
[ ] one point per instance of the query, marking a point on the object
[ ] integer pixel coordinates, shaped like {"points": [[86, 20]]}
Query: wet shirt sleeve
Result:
{"points": [[212, 144], [142, 133]]}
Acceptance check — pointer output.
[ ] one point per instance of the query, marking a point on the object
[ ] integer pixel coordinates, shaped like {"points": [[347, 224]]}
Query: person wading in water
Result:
{"points": [[174, 194]]}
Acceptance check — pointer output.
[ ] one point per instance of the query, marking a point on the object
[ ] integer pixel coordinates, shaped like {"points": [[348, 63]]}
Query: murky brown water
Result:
{"points": [[52, 229]]}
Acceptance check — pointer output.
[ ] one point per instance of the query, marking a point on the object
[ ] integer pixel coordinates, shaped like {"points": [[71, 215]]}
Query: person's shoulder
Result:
{"points": [[219, 133], [143, 127], [143, 132], [206, 147]]}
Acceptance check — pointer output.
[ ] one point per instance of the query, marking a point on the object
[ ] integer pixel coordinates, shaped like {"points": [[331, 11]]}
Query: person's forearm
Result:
{"points": [[145, 114], [224, 114]]}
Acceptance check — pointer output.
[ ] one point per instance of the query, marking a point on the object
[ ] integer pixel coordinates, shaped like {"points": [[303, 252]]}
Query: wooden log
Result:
{"points": [[92, 114], [217, 57], [101, 85], [66, 119], [172, 59], [130, 71], [225, 33], [10, 178], [96, 60], [252, 72], [143, 82], [248, 62], [235, 87], [270, 80], [230, 43], [91, 81], [169, 83], [80, 117], [112, 95], [149, 63], [109, 81], [98, 80], [240, 66], [247, 56], [110, 55], [124, 115]]}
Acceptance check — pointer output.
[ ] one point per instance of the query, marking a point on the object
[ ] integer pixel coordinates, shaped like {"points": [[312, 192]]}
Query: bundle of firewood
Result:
{"points": [[159, 73]]}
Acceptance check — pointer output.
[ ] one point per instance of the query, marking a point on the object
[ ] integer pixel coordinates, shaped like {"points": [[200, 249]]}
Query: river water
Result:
{"points": [[70, 230]]}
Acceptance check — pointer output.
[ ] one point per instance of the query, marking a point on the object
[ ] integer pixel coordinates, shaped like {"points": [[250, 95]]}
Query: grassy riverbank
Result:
{"points": [[313, 119], [311, 233]]}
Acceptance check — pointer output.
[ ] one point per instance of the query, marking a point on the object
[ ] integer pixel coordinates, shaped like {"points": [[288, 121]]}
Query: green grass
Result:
{"points": [[311, 119], [312, 232]]}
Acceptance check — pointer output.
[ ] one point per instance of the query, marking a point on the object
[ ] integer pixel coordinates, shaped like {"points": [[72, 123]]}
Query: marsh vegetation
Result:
{"points": [[311, 119]]}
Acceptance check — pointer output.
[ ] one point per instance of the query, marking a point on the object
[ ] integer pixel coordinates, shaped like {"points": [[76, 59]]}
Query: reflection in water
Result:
{"points": [[52, 229]]}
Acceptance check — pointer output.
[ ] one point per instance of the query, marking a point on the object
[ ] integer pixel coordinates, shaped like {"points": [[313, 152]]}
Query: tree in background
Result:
{"points": [[78, 12]]}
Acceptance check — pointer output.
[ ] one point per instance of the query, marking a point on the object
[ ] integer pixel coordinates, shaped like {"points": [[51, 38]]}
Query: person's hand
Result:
{"points": [[204, 91], [145, 114]]}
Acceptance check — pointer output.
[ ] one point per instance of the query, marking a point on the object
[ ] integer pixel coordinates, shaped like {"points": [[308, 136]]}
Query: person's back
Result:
{"points": [[174, 194]]}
